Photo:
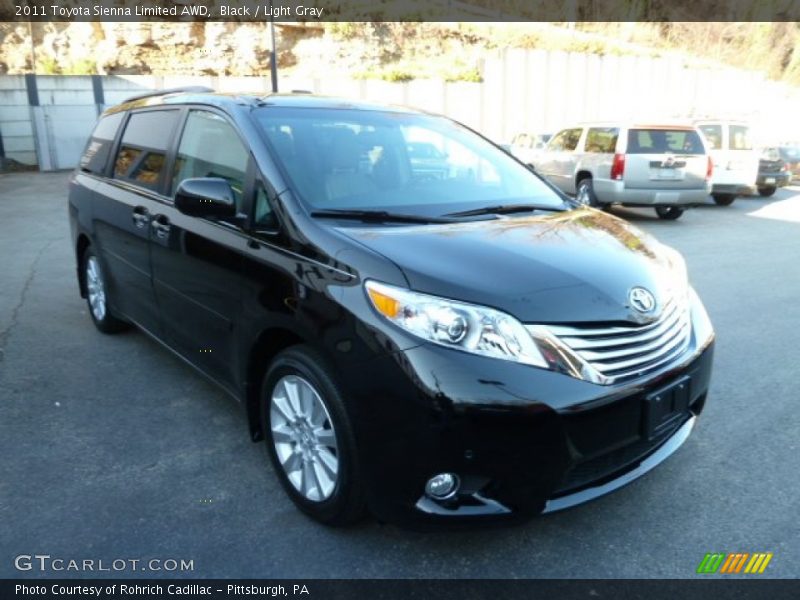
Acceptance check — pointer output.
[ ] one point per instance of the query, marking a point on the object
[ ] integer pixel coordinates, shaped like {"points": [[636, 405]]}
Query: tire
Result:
{"points": [[724, 199], [669, 213], [331, 496], [766, 192], [94, 280], [584, 193]]}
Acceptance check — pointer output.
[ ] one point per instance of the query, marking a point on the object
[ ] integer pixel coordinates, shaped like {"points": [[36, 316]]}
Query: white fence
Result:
{"points": [[522, 90]]}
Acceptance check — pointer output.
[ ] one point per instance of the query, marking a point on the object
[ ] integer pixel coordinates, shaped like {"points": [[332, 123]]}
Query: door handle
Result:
{"points": [[161, 226], [141, 216]]}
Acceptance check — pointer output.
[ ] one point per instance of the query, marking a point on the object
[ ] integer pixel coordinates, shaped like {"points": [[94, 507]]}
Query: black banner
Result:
{"points": [[390, 589], [399, 10]]}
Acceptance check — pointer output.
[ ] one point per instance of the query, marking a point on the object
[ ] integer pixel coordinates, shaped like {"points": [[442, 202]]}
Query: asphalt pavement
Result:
{"points": [[112, 449]]}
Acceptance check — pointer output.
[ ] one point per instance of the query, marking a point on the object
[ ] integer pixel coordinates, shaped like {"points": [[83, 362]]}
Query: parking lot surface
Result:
{"points": [[113, 449]]}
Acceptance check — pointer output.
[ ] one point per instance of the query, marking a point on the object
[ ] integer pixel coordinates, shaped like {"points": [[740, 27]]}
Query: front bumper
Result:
{"points": [[522, 440]]}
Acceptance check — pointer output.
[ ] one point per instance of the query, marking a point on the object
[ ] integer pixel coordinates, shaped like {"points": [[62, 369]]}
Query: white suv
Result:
{"points": [[666, 167]]}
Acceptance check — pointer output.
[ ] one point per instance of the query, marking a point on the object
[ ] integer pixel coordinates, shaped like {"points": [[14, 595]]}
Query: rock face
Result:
{"points": [[230, 48], [213, 48]]}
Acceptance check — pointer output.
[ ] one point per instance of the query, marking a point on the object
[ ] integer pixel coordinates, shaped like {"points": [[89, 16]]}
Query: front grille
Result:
{"points": [[627, 352]]}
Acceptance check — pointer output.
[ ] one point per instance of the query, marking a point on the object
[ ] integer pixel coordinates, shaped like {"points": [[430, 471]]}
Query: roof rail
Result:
{"points": [[195, 89]]}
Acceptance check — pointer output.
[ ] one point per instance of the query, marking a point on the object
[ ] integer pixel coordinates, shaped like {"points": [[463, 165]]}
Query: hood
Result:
{"points": [[568, 267]]}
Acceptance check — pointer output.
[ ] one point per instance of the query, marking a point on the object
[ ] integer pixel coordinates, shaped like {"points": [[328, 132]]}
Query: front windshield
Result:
{"points": [[398, 162]]}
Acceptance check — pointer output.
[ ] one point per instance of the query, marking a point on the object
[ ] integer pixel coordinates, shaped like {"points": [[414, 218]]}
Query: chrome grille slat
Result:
{"points": [[592, 332], [617, 353], [660, 341], [580, 343], [606, 367], [654, 365]]}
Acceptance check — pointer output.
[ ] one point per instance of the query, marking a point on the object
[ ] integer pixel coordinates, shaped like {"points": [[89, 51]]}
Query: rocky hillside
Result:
{"points": [[392, 51]]}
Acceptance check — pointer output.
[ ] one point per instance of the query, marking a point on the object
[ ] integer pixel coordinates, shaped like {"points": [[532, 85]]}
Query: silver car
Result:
{"points": [[664, 166]]}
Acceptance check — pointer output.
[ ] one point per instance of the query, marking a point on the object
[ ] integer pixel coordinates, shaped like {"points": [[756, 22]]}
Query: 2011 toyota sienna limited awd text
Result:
{"points": [[436, 347]]}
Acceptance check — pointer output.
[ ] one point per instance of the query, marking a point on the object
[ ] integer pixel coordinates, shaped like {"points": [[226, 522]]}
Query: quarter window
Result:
{"points": [[602, 139], [95, 157], [210, 147], [143, 149]]}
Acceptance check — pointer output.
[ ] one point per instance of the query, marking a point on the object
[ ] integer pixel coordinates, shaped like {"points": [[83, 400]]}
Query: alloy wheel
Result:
{"points": [[583, 195], [95, 288], [304, 438]]}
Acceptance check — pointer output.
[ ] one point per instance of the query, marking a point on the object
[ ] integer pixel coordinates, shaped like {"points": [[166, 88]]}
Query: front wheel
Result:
{"points": [[585, 193], [669, 213], [94, 280], [309, 437], [724, 199], [767, 191]]}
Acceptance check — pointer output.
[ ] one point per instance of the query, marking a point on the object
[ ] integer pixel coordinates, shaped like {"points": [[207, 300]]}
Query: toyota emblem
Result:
{"points": [[641, 299]]}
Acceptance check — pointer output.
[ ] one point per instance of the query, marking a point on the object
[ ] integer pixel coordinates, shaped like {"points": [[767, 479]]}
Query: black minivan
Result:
{"points": [[433, 345]]}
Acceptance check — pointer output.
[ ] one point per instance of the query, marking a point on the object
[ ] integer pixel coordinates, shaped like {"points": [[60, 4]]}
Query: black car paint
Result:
{"points": [[226, 297]]}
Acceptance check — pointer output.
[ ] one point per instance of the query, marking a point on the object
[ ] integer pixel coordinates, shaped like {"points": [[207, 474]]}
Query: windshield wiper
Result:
{"points": [[378, 216], [503, 209]]}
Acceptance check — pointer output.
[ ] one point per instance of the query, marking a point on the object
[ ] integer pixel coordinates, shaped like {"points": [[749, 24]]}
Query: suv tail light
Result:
{"points": [[709, 168], [618, 166]]}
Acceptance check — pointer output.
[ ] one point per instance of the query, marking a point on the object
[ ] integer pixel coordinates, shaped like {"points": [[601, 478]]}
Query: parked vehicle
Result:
{"points": [[526, 146], [735, 160], [791, 156], [437, 350], [773, 172], [427, 161], [665, 167]]}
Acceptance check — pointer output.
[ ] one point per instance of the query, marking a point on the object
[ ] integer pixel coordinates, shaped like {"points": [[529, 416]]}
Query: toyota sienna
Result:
{"points": [[469, 346]]}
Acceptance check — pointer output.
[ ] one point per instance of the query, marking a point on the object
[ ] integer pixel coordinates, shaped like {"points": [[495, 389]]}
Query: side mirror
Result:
{"points": [[205, 197]]}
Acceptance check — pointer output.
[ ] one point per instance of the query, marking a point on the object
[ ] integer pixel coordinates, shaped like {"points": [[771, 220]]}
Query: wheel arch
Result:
{"points": [[268, 344], [81, 245], [581, 175]]}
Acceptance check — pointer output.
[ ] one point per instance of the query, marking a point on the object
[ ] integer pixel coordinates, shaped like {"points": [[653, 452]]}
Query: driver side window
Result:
{"points": [[210, 147]]}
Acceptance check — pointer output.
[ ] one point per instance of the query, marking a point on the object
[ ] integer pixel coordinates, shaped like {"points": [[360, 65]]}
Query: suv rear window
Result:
{"points": [[143, 150], [95, 156], [602, 139], [661, 141], [740, 138]]}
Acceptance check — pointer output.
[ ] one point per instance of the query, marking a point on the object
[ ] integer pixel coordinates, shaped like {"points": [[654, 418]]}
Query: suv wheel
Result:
{"points": [[767, 191], [97, 295], [724, 199], [670, 213], [309, 437], [585, 193]]}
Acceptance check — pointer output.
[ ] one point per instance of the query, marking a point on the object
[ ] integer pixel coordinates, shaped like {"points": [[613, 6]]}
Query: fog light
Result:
{"points": [[442, 486]]}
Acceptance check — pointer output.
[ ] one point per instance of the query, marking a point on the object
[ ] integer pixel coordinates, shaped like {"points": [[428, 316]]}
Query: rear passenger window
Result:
{"points": [[143, 149], [210, 147], [95, 156], [602, 139], [662, 141]]}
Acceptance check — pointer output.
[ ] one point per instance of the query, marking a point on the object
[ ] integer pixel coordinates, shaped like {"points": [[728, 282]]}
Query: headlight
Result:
{"points": [[466, 327]]}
